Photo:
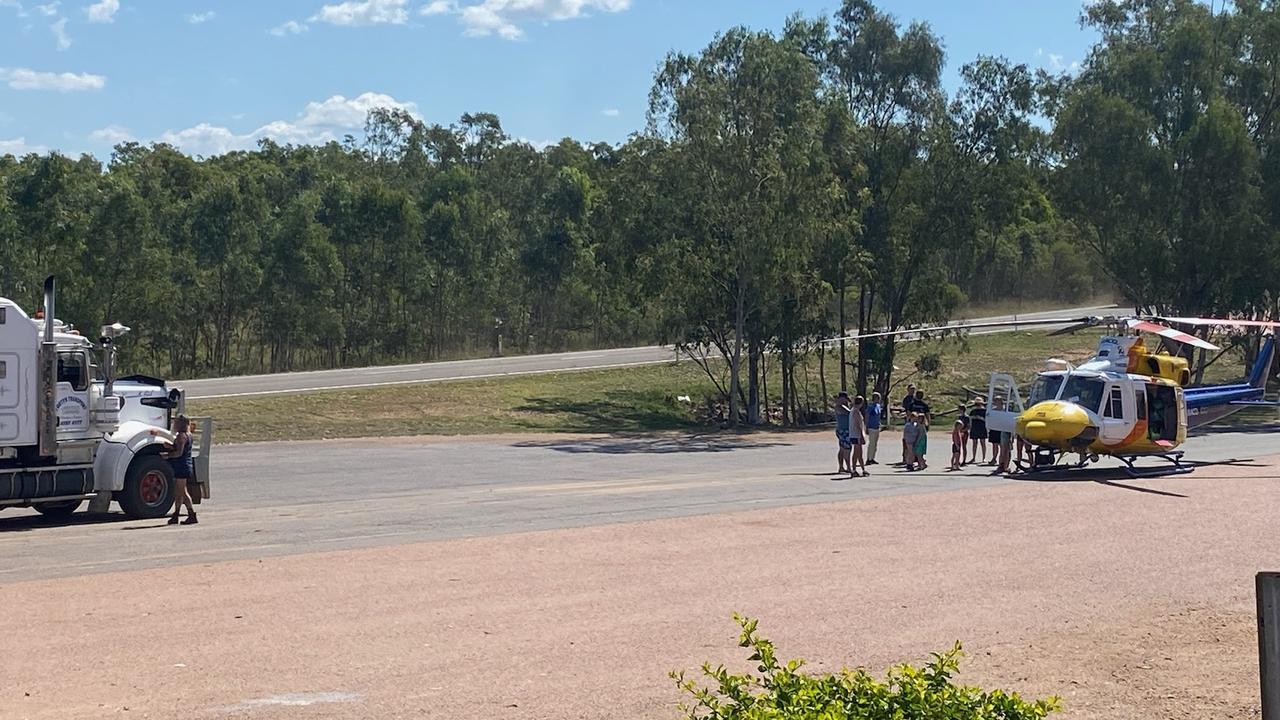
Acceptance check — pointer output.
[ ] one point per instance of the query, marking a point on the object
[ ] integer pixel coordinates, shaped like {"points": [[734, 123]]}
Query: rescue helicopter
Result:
{"points": [[1126, 402]]}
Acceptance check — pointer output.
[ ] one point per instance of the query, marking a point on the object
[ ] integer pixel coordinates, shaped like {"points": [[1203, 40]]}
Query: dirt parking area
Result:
{"points": [[1128, 600]]}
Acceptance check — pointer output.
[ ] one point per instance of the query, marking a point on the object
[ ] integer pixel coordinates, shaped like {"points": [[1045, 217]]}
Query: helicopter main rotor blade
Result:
{"points": [[1170, 333], [1218, 322], [1086, 325], [963, 326]]}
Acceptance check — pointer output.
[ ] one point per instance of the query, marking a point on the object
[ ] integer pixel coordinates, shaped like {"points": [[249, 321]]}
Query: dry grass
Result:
{"points": [[639, 399]]}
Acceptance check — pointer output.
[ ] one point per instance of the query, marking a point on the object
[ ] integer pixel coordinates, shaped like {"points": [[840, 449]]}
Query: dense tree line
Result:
{"points": [[787, 185]]}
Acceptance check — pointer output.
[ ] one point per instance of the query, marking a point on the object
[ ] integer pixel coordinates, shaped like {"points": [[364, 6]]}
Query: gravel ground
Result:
{"points": [[1128, 601]]}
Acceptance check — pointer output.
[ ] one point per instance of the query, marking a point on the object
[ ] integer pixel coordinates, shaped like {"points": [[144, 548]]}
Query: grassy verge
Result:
{"points": [[640, 399]]}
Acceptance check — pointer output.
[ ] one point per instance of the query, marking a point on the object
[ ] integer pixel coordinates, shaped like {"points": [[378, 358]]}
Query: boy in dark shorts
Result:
{"points": [[962, 417], [957, 443]]}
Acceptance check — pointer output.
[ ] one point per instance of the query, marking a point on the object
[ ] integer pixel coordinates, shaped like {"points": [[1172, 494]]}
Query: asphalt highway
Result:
{"points": [[297, 498], [302, 382]]}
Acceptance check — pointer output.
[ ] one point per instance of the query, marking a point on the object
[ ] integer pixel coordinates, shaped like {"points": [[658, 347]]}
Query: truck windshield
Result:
{"points": [[1045, 388], [1084, 391]]}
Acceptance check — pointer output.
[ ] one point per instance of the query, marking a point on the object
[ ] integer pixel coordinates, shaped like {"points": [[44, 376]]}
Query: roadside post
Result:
{"points": [[1269, 643]]}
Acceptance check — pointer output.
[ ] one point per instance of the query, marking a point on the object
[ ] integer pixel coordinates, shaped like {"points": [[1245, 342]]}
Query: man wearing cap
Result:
{"points": [[842, 432], [978, 429]]}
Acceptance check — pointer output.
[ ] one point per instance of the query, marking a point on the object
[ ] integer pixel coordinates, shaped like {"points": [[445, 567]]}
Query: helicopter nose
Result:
{"points": [[1054, 424]]}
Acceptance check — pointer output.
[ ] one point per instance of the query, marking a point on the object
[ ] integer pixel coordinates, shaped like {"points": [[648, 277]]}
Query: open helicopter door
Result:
{"points": [[1004, 403]]}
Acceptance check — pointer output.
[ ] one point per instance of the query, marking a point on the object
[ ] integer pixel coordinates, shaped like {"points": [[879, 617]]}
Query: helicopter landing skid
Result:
{"points": [[1049, 460], [1178, 467]]}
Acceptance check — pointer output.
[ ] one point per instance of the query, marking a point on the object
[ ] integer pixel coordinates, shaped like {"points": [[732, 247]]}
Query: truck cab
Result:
{"points": [[71, 431]]}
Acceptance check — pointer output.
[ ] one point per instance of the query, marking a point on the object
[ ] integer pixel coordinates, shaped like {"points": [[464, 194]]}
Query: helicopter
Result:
{"points": [[1126, 402]]}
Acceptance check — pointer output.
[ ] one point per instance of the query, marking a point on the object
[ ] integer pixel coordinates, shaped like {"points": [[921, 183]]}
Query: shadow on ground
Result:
{"points": [[1118, 478], [617, 411], [623, 445], [25, 523]]}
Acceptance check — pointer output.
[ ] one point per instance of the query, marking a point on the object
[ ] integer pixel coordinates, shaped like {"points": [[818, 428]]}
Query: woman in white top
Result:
{"points": [[858, 436]]}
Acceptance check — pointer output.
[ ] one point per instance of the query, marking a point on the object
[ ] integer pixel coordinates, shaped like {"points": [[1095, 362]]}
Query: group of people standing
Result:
{"points": [[858, 425]]}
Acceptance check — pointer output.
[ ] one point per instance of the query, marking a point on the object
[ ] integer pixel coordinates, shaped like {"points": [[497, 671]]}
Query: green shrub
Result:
{"points": [[782, 692]]}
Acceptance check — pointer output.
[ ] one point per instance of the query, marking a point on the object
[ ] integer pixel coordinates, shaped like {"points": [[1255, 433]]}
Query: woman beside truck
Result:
{"points": [[183, 466]]}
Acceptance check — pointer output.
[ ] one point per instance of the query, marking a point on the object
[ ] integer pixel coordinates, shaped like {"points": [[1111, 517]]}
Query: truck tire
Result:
{"points": [[148, 488], [58, 510]]}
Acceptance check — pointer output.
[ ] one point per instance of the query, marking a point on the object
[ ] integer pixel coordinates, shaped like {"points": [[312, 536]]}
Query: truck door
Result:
{"points": [[1004, 403], [73, 393]]}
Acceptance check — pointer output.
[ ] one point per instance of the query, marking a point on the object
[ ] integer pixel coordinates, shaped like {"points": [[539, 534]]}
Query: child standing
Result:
{"points": [[910, 434], [922, 442], [957, 444], [858, 436]]}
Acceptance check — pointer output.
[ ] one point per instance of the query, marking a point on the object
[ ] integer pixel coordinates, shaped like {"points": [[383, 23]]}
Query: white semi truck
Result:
{"points": [[71, 431]]}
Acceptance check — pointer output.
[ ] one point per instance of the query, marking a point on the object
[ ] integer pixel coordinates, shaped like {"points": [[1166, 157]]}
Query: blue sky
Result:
{"points": [[210, 75]]}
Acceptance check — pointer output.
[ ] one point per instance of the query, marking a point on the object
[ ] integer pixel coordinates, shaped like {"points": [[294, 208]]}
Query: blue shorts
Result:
{"points": [[843, 437]]}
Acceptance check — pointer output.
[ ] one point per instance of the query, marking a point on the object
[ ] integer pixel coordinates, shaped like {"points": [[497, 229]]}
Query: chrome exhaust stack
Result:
{"points": [[48, 383]]}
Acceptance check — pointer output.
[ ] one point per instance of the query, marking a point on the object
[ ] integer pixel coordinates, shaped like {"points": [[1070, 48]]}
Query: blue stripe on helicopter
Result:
{"points": [[1247, 393]]}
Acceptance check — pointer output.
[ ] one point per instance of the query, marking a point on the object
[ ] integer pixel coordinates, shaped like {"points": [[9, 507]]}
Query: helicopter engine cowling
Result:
{"points": [[1057, 424]]}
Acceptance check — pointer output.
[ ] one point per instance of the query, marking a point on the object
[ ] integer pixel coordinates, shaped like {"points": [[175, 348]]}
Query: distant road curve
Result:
{"points": [[366, 377]]}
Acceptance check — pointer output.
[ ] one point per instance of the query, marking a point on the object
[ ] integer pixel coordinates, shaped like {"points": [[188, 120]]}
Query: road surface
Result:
{"points": [[348, 378], [285, 498], [305, 591]]}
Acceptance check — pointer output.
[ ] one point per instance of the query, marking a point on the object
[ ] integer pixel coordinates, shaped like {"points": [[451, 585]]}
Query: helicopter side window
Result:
{"points": [[1115, 406]]}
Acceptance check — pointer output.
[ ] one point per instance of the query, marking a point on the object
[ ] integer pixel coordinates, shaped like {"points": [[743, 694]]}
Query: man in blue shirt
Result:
{"points": [[874, 409], [842, 432]]}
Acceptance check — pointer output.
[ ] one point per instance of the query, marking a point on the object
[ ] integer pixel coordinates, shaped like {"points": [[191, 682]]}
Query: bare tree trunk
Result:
{"points": [[822, 372], [864, 318], [786, 396], [753, 387], [764, 386], [844, 368], [735, 362]]}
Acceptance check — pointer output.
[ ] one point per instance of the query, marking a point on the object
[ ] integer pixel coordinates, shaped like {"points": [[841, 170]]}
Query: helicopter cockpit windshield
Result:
{"points": [[1045, 388], [1082, 390]]}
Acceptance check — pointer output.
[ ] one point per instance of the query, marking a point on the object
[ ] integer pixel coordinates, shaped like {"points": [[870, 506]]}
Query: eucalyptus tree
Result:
{"points": [[743, 114]]}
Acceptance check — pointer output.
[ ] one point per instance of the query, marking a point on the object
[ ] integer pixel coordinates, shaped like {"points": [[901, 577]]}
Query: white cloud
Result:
{"points": [[318, 123], [439, 7], [111, 135], [505, 17], [611, 112], [19, 147], [25, 79], [293, 27], [17, 6], [59, 30], [103, 11], [364, 12], [49, 10], [538, 145], [197, 18]]}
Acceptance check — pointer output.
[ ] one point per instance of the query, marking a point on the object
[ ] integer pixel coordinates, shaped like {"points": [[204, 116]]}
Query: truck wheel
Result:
{"points": [[148, 488], [58, 509]]}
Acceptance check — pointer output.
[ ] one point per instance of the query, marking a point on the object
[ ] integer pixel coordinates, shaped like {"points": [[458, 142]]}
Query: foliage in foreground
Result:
{"points": [[781, 692]]}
